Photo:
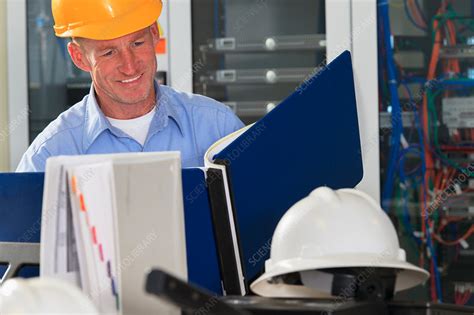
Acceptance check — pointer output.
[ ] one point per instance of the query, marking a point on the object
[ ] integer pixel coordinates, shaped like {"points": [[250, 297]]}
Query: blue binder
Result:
{"points": [[310, 139], [21, 197], [203, 265]]}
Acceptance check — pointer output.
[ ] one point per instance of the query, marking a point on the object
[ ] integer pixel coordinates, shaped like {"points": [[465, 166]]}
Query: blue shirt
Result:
{"points": [[182, 122]]}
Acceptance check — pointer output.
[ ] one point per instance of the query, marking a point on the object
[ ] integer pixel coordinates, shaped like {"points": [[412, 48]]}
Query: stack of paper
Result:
{"points": [[108, 219]]}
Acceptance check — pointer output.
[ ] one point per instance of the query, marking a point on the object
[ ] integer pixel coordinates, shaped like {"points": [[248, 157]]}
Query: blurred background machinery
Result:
{"points": [[255, 53], [426, 103]]}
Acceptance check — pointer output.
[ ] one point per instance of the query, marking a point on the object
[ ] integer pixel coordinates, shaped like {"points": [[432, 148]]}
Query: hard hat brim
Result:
{"points": [[408, 276], [117, 27]]}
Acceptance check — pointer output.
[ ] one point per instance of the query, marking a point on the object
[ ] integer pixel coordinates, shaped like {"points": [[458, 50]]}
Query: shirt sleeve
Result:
{"points": [[33, 160], [231, 123]]}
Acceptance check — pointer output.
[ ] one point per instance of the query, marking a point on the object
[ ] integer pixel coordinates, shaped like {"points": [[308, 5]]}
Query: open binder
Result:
{"points": [[310, 139]]}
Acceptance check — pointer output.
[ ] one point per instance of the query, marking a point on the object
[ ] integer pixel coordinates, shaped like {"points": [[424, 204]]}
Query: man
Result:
{"points": [[126, 110]]}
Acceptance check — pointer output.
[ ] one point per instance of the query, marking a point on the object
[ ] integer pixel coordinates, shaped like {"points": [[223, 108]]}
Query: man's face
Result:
{"points": [[122, 69]]}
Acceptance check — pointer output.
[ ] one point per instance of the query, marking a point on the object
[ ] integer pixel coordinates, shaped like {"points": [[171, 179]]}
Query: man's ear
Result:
{"points": [[155, 33], [78, 57]]}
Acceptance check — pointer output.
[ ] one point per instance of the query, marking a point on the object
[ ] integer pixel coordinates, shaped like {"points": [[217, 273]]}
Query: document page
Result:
{"points": [[93, 213]]}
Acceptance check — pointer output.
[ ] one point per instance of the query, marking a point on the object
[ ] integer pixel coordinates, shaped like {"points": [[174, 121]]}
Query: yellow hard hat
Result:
{"points": [[103, 19]]}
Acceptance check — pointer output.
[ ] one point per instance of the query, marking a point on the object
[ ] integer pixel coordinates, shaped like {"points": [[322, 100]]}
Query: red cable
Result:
{"points": [[433, 283], [416, 14], [454, 148], [466, 235], [466, 297], [454, 63]]}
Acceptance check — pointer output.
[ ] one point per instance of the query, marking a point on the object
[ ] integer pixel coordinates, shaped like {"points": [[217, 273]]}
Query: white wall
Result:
{"points": [[17, 79], [4, 144]]}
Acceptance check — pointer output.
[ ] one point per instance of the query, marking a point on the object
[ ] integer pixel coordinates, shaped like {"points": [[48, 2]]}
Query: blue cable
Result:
{"points": [[396, 108], [401, 160], [396, 133], [403, 177], [461, 83], [429, 241]]}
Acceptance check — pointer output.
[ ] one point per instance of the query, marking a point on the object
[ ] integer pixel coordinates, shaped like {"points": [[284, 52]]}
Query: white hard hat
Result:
{"points": [[43, 296], [329, 230]]}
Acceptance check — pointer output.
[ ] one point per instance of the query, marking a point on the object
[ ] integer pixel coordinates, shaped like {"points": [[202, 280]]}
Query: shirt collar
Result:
{"points": [[96, 122]]}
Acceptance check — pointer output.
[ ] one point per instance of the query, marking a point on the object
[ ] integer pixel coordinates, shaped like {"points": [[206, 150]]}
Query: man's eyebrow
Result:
{"points": [[104, 46], [107, 46], [137, 37]]}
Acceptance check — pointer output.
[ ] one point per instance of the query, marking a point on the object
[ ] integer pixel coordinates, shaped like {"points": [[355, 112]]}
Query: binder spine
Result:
{"points": [[223, 233]]}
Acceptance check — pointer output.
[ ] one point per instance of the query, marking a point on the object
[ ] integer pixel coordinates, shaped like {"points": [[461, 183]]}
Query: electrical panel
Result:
{"points": [[426, 103]]}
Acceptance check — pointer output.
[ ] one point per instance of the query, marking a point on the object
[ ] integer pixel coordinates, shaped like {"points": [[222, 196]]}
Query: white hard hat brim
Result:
{"points": [[408, 276]]}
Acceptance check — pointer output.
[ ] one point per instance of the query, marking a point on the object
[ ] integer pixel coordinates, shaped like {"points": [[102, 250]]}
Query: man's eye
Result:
{"points": [[107, 53], [139, 43]]}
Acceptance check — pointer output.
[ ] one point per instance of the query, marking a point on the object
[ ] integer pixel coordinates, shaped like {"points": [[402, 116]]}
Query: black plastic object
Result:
{"points": [[364, 284], [223, 233], [189, 298], [193, 300]]}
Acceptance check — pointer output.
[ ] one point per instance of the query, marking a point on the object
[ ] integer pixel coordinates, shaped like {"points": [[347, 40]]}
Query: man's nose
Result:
{"points": [[128, 62]]}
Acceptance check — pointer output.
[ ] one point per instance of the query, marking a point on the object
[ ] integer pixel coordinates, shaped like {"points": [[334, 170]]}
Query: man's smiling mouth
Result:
{"points": [[132, 79]]}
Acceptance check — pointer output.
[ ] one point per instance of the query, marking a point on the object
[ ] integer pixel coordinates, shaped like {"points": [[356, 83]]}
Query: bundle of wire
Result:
{"points": [[437, 173], [444, 20]]}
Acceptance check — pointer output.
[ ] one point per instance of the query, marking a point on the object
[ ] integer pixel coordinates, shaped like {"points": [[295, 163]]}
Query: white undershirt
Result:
{"points": [[137, 128]]}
